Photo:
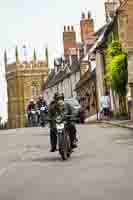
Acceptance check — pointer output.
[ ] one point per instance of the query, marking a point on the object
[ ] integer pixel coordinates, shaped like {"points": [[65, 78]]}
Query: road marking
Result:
{"points": [[5, 169]]}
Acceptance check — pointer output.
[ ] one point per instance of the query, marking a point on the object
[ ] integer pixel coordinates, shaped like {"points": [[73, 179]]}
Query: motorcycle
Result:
{"points": [[33, 118], [63, 136], [43, 115]]}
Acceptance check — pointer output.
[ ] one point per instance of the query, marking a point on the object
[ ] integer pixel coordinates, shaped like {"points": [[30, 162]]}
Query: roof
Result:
{"points": [[102, 33], [107, 30], [50, 78], [89, 75], [100, 30], [54, 79]]}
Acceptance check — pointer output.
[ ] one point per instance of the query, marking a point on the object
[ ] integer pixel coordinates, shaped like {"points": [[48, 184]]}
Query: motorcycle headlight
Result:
{"points": [[58, 120]]}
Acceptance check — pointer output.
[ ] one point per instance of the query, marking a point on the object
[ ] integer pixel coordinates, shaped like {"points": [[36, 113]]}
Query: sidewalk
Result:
{"points": [[119, 123]]}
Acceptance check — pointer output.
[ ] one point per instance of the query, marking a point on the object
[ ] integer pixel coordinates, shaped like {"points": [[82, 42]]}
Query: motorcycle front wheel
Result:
{"points": [[64, 146]]}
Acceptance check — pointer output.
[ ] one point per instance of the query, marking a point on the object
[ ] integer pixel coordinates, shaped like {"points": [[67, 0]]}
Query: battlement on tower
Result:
{"points": [[25, 66], [20, 64]]}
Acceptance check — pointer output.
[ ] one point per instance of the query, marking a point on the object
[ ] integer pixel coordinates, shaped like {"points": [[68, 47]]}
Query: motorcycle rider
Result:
{"points": [[31, 106], [41, 102], [54, 108]]}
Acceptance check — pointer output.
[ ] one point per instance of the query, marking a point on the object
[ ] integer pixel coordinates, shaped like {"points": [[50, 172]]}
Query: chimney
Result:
{"points": [[89, 14], [86, 27], [69, 39], [83, 15], [110, 8]]}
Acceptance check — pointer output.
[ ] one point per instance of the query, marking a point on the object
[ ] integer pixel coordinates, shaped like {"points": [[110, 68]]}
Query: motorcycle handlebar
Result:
{"points": [[66, 118]]}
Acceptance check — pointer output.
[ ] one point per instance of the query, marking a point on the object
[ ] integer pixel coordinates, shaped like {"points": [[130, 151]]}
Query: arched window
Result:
{"points": [[35, 89]]}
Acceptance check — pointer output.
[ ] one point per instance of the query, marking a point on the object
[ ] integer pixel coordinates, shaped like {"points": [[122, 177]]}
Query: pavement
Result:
{"points": [[121, 123], [115, 122], [100, 169]]}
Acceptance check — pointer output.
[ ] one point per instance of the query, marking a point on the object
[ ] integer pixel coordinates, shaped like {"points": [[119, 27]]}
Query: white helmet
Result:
{"points": [[40, 96], [32, 100]]}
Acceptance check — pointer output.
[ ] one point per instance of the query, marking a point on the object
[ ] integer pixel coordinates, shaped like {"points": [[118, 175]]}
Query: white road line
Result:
{"points": [[6, 169]]}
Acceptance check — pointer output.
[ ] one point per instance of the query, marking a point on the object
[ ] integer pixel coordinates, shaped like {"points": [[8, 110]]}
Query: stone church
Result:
{"points": [[24, 81]]}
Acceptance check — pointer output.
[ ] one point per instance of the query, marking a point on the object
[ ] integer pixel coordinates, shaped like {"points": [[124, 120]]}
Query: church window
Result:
{"points": [[35, 89]]}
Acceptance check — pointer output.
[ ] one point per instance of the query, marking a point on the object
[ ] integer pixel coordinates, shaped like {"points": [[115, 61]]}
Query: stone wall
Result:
{"points": [[20, 82]]}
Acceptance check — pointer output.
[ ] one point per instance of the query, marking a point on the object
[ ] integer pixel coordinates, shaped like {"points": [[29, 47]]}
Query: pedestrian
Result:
{"points": [[105, 104]]}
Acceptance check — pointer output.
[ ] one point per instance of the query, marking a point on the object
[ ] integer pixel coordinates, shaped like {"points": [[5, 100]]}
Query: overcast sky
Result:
{"points": [[38, 24]]}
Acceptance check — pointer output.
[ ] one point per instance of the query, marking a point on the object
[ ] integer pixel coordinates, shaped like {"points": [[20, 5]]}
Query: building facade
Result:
{"points": [[63, 81], [125, 22], [24, 81], [67, 74]]}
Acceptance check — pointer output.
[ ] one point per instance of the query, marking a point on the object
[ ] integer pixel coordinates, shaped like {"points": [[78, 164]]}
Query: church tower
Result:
{"points": [[24, 81]]}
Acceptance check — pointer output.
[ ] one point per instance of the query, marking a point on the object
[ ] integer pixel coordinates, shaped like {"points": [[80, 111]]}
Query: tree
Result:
{"points": [[117, 74]]}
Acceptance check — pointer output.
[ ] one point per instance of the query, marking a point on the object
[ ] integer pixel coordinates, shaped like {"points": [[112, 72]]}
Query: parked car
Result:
{"points": [[74, 104]]}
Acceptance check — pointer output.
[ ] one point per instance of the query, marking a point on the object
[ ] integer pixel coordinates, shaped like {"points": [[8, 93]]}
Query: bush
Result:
{"points": [[117, 74]]}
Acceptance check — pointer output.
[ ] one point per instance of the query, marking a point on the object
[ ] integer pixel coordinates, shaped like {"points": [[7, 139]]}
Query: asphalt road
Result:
{"points": [[100, 169]]}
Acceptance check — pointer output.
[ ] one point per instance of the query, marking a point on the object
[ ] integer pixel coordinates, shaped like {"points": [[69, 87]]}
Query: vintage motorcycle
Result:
{"points": [[33, 118], [63, 135]]}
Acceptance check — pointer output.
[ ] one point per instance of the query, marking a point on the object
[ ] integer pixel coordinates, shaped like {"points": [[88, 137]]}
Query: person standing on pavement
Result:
{"points": [[105, 105]]}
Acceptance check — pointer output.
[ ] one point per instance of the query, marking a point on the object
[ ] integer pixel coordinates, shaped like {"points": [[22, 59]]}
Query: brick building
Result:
{"points": [[66, 75]]}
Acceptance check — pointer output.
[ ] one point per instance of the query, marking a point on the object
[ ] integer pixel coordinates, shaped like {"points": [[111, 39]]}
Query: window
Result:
{"points": [[35, 89]]}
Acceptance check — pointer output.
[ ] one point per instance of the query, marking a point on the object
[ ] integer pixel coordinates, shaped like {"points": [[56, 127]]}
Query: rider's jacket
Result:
{"points": [[31, 106], [41, 103], [54, 109]]}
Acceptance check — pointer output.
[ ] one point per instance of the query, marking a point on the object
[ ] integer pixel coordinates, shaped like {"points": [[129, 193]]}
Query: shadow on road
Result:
{"points": [[57, 158], [46, 159]]}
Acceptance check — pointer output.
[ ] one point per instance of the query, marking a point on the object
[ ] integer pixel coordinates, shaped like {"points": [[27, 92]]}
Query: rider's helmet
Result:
{"points": [[31, 100], [60, 97], [40, 97], [56, 96]]}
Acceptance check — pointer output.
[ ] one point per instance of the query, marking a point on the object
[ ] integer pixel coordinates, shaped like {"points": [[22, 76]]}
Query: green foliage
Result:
{"points": [[117, 74], [122, 115], [114, 49]]}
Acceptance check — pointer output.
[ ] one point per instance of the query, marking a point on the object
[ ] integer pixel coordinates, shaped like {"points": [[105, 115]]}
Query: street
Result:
{"points": [[100, 169]]}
